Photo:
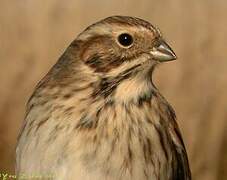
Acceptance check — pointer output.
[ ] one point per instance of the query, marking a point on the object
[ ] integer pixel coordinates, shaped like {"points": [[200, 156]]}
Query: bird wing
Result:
{"points": [[181, 170]]}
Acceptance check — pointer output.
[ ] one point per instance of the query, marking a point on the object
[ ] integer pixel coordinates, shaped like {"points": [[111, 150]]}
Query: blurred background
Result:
{"points": [[33, 34]]}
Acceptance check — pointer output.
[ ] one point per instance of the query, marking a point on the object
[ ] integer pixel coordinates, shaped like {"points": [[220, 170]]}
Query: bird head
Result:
{"points": [[115, 55], [119, 43]]}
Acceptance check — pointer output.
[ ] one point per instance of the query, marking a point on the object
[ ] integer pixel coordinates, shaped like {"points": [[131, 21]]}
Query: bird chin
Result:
{"points": [[142, 66], [148, 66]]}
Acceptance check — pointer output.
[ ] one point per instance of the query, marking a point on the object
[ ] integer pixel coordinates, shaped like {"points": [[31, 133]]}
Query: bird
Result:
{"points": [[97, 115]]}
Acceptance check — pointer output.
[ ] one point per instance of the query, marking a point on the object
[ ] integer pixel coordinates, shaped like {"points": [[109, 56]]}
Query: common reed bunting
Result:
{"points": [[97, 115]]}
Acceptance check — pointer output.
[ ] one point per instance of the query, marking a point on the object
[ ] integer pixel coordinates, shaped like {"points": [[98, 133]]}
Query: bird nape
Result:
{"points": [[97, 114]]}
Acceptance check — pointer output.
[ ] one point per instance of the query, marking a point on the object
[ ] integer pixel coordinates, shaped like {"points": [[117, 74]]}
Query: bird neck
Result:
{"points": [[133, 89]]}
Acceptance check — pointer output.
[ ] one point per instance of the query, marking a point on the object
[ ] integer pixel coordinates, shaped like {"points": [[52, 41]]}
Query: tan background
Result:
{"points": [[33, 34]]}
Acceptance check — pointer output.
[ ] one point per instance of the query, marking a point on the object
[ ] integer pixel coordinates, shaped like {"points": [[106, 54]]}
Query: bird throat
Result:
{"points": [[128, 86], [133, 89]]}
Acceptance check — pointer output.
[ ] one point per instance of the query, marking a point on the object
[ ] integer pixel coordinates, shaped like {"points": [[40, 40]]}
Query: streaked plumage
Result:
{"points": [[97, 114]]}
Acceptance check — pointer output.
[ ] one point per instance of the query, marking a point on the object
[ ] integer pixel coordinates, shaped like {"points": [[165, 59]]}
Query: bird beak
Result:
{"points": [[163, 52]]}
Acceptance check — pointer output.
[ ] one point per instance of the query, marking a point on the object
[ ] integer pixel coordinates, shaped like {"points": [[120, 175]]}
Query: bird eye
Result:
{"points": [[125, 39]]}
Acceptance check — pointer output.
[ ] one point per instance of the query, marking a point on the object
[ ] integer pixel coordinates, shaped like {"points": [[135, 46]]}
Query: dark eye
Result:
{"points": [[125, 39]]}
